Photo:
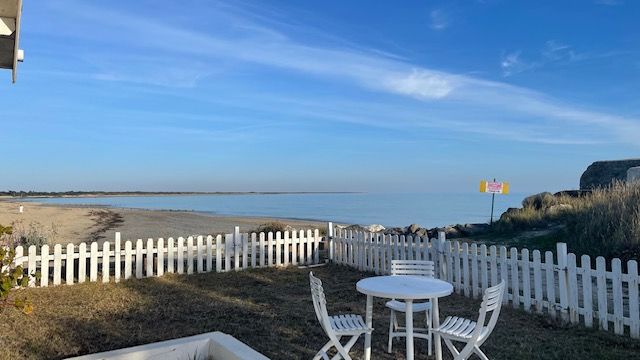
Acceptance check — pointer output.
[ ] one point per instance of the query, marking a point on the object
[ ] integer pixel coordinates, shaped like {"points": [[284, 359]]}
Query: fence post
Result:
{"points": [[117, 264], [442, 266], [330, 240], [237, 242], [563, 288]]}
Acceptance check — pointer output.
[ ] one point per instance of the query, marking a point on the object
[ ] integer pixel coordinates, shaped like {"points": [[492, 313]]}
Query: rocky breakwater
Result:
{"points": [[451, 231]]}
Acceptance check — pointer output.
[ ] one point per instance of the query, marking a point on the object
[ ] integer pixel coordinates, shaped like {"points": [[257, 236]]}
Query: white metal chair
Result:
{"points": [[337, 326], [469, 332], [418, 268]]}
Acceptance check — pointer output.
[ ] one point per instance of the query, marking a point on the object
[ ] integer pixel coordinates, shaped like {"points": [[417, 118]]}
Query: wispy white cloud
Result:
{"points": [[512, 63], [438, 19], [552, 53], [242, 40]]}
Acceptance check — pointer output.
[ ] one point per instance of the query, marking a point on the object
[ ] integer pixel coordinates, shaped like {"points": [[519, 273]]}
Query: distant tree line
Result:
{"points": [[98, 193]]}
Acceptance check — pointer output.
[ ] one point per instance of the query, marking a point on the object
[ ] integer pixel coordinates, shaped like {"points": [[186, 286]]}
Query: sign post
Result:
{"points": [[493, 188]]}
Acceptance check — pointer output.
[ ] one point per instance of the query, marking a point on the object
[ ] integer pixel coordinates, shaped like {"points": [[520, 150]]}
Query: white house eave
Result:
{"points": [[10, 53]]}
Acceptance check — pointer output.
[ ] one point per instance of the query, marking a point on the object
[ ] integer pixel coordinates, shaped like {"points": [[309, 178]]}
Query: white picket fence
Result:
{"points": [[111, 262], [603, 296]]}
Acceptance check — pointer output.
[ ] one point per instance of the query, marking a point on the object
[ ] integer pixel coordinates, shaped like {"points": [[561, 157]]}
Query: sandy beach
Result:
{"points": [[74, 224]]}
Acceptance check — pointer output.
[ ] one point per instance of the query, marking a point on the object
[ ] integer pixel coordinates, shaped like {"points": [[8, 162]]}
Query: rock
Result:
{"points": [[413, 228], [422, 232], [557, 209], [538, 201], [450, 232], [602, 173], [510, 211], [633, 174], [355, 228], [394, 231], [374, 228], [572, 193], [472, 229]]}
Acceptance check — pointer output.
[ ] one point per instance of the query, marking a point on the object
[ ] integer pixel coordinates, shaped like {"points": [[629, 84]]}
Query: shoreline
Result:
{"points": [[143, 194], [65, 223], [197, 212]]}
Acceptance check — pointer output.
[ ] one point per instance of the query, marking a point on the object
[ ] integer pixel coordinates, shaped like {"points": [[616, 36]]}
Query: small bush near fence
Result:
{"points": [[11, 276], [273, 226], [605, 222]]}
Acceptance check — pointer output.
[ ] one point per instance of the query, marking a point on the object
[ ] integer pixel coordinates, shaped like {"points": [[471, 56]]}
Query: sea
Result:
{"points": [[387, 209]]}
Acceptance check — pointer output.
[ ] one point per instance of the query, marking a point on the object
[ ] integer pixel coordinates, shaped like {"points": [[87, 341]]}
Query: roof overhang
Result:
{"points": [[10, 53]]}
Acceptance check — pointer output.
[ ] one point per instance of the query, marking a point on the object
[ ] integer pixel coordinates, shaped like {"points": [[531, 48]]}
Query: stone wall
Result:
{"points": [[602, 173], [633, 174]]}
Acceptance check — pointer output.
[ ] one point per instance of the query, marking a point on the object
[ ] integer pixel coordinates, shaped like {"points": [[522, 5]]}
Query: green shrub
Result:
{"points": [[11, 276], [33, 234]]}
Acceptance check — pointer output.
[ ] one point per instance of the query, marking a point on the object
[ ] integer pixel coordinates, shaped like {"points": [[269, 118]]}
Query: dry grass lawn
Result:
{"points": [[269, 309]]}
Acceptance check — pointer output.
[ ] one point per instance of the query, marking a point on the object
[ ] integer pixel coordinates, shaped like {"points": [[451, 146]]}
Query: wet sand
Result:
{"points": [[64, 224]]}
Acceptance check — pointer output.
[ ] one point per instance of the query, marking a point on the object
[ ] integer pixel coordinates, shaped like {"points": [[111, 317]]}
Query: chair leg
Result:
{"points": [[322, 353], [480, 354], [429, 334], [391, 330], [451, 347], [343, 351]]}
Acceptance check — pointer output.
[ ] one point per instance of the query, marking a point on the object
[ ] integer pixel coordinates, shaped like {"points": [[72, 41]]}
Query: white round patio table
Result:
{"points": [[407, 288]]}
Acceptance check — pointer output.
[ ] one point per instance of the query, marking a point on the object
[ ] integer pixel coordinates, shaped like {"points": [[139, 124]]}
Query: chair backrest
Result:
{"points": [[413, 267], [491, 303], [320, 303]]}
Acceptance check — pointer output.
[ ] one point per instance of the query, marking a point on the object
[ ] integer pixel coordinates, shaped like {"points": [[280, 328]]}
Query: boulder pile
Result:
{"points": [[451, 231]]}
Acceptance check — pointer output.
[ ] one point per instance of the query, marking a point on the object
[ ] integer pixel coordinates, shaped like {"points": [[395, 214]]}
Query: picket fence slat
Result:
{"points": [[127, 258], [551, 283], [117, 260], [634, 311], [93, 263], [602, 293], [526, 279], [515, 278], [161, 249], [616, 269], [69, 263], [475, 291], [587, 297], [105, 261], [537, 281]]}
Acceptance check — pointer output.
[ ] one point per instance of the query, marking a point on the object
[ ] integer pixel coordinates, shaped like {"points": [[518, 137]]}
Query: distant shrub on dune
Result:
{"points": [[33, 234], [273, 226], [604, 222]]}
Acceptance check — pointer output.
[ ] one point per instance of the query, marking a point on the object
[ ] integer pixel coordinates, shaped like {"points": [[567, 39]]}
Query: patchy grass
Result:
{"points": [[269, 309], [543, 240]]}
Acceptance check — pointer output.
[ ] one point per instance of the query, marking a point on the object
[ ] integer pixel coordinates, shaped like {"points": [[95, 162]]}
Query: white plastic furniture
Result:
{"points": [[407, 288], [335, 327], [469, 332], [416, 268]]}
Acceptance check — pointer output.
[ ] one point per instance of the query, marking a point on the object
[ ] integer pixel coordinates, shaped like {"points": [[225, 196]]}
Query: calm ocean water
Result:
{"points": [[426, 209]]}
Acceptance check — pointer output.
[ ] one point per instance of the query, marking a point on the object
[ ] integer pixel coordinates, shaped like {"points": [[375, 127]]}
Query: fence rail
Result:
{"points": [[155, 257], [555, 284]]}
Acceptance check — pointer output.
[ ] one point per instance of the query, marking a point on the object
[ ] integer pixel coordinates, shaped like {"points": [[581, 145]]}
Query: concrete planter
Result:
{"points": [[213, 345]]}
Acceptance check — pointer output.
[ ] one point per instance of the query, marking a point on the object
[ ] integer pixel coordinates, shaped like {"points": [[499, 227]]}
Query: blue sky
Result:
{"points": [[320, 96]]}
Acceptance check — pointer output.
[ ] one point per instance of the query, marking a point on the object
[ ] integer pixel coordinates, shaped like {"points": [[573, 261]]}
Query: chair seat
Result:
{"points": [[349, 324], [458, 328], [401, 306]]}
